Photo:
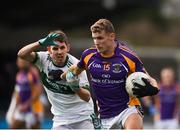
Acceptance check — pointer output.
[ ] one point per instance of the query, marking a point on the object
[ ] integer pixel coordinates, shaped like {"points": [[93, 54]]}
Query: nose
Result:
{"points": [[96, 42], [60, 51]]}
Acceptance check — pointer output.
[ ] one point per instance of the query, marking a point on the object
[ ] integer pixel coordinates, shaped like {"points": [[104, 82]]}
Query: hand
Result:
{"points": [[72, 81], [49, 40], [147, 90]]}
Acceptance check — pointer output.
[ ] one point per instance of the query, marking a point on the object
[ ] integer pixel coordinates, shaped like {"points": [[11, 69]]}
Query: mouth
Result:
{"points": [[60, 57]]}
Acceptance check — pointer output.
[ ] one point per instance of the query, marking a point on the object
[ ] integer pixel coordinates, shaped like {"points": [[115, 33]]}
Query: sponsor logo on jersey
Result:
{"points": [[117, 68], [95, 65]]}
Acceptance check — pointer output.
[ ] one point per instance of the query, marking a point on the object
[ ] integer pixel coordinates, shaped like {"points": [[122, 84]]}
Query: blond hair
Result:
{"points": [[102, 25]]}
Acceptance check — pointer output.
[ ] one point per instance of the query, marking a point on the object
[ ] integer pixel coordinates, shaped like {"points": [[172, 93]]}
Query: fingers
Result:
{"points": [[137, 86], [138, 93], [63, 75], [145, 81], [53, 35]]}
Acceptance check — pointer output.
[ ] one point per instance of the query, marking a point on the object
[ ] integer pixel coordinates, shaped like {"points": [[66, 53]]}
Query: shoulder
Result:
{"points": [[42, 52], [41, 55], [88, 51], [128, 52], [123, 46]]}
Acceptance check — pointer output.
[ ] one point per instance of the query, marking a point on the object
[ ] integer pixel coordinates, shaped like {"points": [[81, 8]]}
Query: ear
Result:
{"points": [[68, 47], [112, 36], [49, 49]]}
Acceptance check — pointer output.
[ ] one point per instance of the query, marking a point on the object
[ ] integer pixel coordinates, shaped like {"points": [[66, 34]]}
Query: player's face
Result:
{"points": [[103, 41], [167, 77], [59, 53], [22, 64]]}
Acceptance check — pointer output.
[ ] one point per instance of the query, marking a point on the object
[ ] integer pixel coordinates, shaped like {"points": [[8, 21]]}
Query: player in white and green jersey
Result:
{"points": [[71, 103]]}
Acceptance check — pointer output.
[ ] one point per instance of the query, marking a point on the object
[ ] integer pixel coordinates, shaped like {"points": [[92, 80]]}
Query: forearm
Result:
{"points": [[27, 52], [84, 94]]}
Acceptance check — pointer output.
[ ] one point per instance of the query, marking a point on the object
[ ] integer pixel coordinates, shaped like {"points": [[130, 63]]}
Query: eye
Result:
{"points": [[55, 48], [62, 47]]}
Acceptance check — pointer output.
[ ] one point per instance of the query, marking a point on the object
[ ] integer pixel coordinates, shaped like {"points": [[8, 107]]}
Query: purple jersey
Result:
{"points": [[168, 101], [24, 80], [108, 76]]}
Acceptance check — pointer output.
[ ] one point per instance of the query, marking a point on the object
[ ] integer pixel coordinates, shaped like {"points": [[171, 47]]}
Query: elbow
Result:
{"points": [[20, 54], [87, 99], [84, 94]]}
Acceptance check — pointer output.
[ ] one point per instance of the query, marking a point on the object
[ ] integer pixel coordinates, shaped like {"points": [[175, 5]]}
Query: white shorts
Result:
{"points": [[85, 124], [28, 117], [118, 121], [166, 124], [14, 113]]}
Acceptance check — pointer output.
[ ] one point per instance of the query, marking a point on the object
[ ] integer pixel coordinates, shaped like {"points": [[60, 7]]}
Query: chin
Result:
{"points": [[59, 61], [100, 51]]}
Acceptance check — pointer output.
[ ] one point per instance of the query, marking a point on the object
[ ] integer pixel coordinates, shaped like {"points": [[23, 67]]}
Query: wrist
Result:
{"points": [[40, 43]]}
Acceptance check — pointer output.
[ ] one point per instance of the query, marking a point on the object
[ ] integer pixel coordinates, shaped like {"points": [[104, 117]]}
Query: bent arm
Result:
{"points": [[84, 94], [27, 52]]}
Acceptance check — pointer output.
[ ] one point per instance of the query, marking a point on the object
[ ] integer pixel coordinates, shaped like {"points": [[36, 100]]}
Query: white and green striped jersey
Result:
{"points": [[65, 103]]}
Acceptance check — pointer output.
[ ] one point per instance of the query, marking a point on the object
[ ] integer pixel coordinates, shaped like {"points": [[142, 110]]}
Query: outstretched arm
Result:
{"points": [[27, 52]]}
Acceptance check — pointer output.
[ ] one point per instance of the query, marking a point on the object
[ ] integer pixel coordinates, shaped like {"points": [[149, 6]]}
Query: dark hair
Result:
{"points": [[62, 36]]}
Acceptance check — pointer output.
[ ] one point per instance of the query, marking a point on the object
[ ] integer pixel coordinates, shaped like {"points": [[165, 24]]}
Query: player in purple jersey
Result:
{"points": [[167, 102], [109, 63], [26, 109]]}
